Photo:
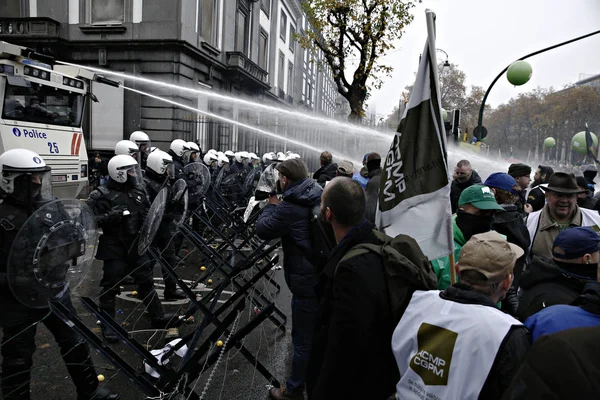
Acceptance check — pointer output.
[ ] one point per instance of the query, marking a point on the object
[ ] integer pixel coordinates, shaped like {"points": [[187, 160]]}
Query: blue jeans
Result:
{"points": [[304, 319]]}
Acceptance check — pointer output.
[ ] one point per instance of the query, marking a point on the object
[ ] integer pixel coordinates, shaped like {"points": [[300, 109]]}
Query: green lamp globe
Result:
{"points": [[549, 142], [519, 73], [444, 114], [578, 142]]}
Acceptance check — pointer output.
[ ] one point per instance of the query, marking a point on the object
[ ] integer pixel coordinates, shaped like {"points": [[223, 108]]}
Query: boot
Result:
{"points": [[160, 319], [81, 368], [108, 306], [172, 292], [16, 375]]}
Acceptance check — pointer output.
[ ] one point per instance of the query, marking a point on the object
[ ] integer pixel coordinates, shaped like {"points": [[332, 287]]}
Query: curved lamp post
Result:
{"points": [[446, 63], [479, 130]]}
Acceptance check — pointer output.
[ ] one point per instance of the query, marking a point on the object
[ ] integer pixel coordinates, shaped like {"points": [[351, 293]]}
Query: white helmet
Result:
{"points": [[160, 163], [126, 147], [179, 147], [153, 148], [229, 154], [268, 157], [222, 159], [193, 147], [210, 158], [280, 157], [122, 169], [220, 153], [15, 166], [212, 151], [240, 156], [253, 156], [293, 156], [140, 138]]}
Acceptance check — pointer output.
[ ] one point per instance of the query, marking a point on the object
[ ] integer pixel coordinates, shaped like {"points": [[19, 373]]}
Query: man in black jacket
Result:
{"points": [[372, 189], [328, 169], [536, 197], [509, 223], [522, 175], [439, 329], [464, 176], [289, 219], [585, 199], [351, 356], [560, 280]]}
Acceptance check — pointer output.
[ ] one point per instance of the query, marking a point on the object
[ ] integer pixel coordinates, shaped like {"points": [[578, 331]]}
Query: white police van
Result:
{"points": [[41, 109]]}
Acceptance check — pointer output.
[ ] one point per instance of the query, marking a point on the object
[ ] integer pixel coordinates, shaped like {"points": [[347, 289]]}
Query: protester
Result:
{"points": [[560, 212], [464, 176], [589, 173], [461, 328], [509, 223], [362, 176], [477, 207], [372, 189], [288, 219], [560, 280], [355, 306], [522, 175], [345, 168], [560, 366], [536, 197], [327, 170], [585, 199]]}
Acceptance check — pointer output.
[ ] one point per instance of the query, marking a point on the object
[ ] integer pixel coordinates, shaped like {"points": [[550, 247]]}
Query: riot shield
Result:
{"points": [[267, 183], [152, 222], [251, 179], [197, 177], [179, 199], [220, 177], [52, 252]]}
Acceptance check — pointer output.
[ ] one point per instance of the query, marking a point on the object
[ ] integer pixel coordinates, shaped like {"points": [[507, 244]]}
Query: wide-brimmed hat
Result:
{"points": [[561, 182]]}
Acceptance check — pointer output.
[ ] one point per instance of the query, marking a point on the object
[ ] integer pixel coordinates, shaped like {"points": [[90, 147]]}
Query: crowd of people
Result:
{"points": [[372, 317]]}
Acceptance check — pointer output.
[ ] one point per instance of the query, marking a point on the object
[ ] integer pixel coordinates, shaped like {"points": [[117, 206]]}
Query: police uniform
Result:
{"points": [[19, 328], [117, 247]]}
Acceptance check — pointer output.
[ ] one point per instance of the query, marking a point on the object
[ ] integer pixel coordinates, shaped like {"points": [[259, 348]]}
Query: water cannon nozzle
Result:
{"points": [[106, 81]]}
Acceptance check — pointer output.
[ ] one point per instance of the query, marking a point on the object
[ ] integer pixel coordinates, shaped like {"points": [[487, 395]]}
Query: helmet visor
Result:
{"points": [[134, 174]]}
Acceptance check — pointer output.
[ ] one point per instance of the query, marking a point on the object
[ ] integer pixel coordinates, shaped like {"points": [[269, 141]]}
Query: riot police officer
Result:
{"points": [[159, 170], [142, 141], [25, 186], [120, 208], [192, 154], [177, 150]]}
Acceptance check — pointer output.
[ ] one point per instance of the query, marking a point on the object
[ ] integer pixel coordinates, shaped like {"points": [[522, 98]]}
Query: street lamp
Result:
{"points": [[446, 63], [480, 132]]}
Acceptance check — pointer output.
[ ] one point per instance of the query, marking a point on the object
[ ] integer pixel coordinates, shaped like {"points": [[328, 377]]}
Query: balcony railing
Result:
{"points": [[239, 60], [20, 27]]}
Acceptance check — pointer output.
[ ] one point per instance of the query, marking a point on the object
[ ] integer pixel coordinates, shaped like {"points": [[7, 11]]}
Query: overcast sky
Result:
{"points": [[484, 36]]}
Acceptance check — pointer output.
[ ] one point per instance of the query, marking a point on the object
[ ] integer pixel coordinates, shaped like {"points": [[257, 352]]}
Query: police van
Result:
{"points": [[41, 109]]}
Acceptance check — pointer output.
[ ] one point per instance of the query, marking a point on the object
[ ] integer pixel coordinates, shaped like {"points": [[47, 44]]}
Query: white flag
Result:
{"points": [[414, 197]]}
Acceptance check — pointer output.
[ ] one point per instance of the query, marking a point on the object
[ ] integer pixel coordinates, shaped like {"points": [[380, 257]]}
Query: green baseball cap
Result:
{"points": [[479, 196]]}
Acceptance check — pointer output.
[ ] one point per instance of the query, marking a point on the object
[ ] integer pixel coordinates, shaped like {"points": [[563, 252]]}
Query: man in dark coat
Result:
{"points": [[328, 169], [585, 199], [560, 280], [560, 366], [351, 357], [522, 175], [372, 190], [536, 197], [289, 219], [464, 176]]}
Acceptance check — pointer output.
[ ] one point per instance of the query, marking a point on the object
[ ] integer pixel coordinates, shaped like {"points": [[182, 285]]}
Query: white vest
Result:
{"points": [[444, 349], [588, 218]]}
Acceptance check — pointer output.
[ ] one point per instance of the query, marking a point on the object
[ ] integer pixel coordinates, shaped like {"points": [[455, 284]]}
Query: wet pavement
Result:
{"points": [[234, 377]]}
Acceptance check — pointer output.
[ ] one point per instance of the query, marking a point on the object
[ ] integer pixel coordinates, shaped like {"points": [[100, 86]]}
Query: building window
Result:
{"points": [[292, 39], [209, 21], [283, 26], [241, 30], [263, 49], [265, 5], [104, 12], [290, 83], [281, 70]]}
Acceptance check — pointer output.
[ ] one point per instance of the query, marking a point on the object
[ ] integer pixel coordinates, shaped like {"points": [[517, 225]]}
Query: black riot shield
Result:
{"points": [[251, 179], [52, 252], [152, 222], [267, 183], [197, 177], [179, 200], [220, 177]]}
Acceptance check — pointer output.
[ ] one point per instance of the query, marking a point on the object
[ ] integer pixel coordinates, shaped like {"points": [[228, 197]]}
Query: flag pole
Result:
{"points": [[452, 269]]}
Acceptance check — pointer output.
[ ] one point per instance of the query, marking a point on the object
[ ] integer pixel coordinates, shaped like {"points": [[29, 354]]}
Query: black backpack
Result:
{"points": [[405, 266]]}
